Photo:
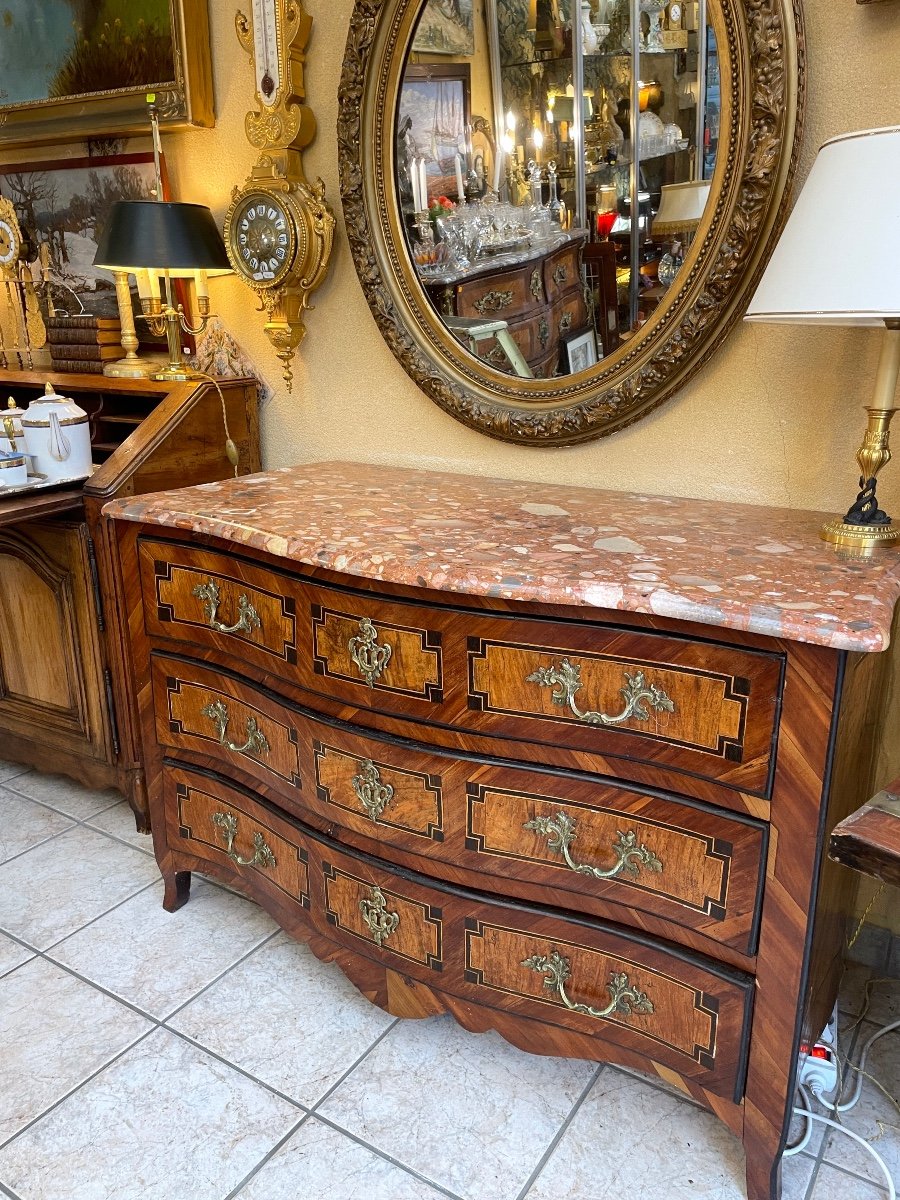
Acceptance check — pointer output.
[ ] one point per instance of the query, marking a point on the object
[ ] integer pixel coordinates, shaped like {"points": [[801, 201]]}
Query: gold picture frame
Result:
{"points": [[184, 99]]}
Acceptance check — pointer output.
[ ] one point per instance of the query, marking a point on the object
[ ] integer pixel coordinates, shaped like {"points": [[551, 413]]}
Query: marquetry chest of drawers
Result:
{"points": [[594, 829], [542, 301]]}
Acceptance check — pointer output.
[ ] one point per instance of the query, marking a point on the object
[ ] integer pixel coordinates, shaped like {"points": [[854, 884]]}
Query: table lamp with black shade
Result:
{"points": [[837, 264], [156, 241]]}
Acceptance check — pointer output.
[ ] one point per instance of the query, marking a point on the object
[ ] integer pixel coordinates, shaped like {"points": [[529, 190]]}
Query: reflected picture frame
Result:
{"points": [[579, 352]]}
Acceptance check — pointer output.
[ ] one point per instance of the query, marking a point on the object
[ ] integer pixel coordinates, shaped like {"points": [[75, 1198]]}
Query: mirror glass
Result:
{"points": [[544, 229]]}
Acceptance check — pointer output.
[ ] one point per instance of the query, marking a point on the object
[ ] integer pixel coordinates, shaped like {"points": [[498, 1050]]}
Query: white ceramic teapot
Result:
{"points": [[58, 437]]}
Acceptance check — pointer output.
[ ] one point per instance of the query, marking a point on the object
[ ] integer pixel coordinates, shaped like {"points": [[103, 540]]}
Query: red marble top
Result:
{"points": [[738, 566]]}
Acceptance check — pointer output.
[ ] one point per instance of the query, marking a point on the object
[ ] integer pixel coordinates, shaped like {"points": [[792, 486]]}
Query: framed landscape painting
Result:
{"points": [[446, 27], [87, 66]]}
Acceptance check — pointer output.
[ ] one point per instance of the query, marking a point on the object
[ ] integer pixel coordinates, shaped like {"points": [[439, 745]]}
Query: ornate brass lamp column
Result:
{"points": [[816, 278], [865, 524]]}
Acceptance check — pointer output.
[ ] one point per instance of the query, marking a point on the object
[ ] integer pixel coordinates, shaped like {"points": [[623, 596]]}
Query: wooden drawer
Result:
{"points": [[568, 974], [507, 294], [221, 826], [533, 335], [561, 272], [569, 316], [593, 844], [312, 636], [701, 708]]}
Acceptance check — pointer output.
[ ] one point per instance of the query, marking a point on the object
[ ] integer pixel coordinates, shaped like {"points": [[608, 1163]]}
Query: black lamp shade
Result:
{"points": [[149, 234]]}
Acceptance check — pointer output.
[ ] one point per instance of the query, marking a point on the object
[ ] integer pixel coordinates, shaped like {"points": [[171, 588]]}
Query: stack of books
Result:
{"points": [[83, 344]]}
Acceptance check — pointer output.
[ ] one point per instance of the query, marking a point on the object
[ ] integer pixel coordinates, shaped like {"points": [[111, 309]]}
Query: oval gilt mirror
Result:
{"points": [[559, 208]]}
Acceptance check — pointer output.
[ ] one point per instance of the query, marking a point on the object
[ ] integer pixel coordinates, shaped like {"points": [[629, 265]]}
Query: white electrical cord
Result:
{"points": [[798, 1147], [846, 1105], [811, 1116]]}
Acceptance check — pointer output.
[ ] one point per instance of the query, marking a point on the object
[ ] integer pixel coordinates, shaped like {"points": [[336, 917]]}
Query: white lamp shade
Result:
{"points": [[681, 206], [837, 260]]}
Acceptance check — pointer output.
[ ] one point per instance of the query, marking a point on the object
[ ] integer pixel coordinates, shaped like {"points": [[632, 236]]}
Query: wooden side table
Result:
{"points": [[869, 839]]}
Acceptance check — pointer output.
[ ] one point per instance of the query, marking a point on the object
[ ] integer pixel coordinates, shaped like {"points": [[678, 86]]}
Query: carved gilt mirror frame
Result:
{"points": [[762, 53]]}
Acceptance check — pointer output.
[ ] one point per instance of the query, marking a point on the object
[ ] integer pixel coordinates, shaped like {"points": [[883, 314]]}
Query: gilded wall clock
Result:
{"points": [[279, 230]]}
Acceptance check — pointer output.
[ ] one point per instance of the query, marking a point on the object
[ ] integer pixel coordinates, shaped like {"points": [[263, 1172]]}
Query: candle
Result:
{"points": [[511, 121], [460, 186], [423, 186], [538, 144], [498, 168], [201, 284], [142, 278]]}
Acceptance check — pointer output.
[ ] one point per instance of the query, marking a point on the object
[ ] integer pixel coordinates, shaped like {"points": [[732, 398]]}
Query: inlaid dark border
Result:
{"points": [[431, 916], [430, 783], [429, 640]]}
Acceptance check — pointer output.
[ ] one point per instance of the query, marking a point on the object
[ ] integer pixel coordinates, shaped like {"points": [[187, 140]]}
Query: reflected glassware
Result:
{"points": [[556, 207]]}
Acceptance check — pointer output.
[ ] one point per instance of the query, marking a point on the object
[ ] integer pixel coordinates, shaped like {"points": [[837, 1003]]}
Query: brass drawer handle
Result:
{"points": [[537, 285], [561, 275], [256, 742], [211, 596], [565, 680], [630, 857], [624, 999], [262, 853], [380, 923], [371, 658], [493, 302], [372, 794], [565, 323]]}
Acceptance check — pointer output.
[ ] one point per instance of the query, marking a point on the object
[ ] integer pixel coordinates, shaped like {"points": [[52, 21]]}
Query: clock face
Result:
{"points": [[262, 239], [9, 244], [265, 46], [675, 13]]}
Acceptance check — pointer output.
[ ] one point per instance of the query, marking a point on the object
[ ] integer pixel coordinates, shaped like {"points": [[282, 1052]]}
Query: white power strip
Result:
{"points": [[818, 1069]]}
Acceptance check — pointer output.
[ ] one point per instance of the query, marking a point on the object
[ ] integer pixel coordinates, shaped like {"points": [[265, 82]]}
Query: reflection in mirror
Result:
{"points": [[517, 200]]}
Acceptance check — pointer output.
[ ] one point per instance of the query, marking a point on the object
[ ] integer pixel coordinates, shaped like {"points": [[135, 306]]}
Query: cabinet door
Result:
{"points": [[51, 677]]}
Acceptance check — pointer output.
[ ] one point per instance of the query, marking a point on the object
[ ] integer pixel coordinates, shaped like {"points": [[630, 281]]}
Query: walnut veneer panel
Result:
{"points": [[595, 845], [672, 1007], [708, 711]]}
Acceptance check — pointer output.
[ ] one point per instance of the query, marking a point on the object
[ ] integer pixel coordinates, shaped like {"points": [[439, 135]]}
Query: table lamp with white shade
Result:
{"points": [[837, 264]]}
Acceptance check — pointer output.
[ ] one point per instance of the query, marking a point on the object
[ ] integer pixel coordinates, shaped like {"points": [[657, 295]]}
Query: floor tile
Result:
{"points": [[318, 1161], [59, 886], [291, 1021], [884, 995], [470, 1113], [165, 1120], [874, 1118], [26, 824], [796, 1172], [628, 1138], [158, 960], [12, 955], [832, 1184], [55, 1032], [10, 769], [60, 792], [119, 821]]}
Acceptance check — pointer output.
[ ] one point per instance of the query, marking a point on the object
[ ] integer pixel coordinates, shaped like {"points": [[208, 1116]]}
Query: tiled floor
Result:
{"points": [[206, 1056]]}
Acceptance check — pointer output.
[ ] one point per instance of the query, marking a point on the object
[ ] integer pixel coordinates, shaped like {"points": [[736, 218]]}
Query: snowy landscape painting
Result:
{"points": [[65, 204]]}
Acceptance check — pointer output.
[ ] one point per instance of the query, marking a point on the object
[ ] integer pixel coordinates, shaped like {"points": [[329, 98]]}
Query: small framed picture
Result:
{"points": [[580, 352]]}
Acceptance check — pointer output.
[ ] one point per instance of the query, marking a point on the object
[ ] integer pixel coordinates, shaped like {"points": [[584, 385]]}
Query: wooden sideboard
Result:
{"points": [[542, 301], [64, 699], [556, 761]]}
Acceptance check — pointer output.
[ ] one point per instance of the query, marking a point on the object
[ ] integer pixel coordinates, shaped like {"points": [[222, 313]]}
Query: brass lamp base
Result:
{"points": [[181, 374], [861, 539]]}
